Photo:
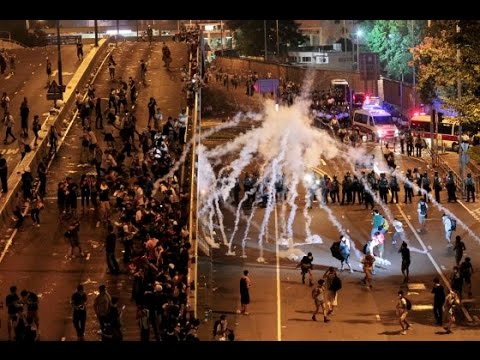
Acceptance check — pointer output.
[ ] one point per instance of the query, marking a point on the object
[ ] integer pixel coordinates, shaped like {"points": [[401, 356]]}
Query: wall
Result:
{"points": [[295, 73]]}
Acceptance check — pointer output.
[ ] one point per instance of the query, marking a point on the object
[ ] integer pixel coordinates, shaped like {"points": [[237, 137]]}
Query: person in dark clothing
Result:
{"points": [[42, 176], [110, 243], [405, 251], [306, 266], [11, 301], [36, 126], [459, 248], [4, 174], [438, 292], [17, 211], [24, 111], [466, 270], [79, 302], [114, 322], [80, 50], [152, 109], [27, 183], [456, 281], [245, 284], [99, 114]]}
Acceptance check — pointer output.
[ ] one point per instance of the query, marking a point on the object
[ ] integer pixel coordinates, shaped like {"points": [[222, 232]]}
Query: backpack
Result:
{"points": [[335, 249], [336, 284], [409, 304], [386, 224], [454, 224], [365, 248], [423, 209]]}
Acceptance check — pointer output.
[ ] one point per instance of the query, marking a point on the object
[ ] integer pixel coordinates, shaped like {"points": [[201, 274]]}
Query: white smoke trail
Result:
{"points": [[292, 196], [271, 192], [247, 229], [237, 215], [236, 120], [220, 222]]}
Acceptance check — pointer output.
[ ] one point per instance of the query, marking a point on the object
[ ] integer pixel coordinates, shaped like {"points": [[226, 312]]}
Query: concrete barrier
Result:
{"points": [[32, 159]]}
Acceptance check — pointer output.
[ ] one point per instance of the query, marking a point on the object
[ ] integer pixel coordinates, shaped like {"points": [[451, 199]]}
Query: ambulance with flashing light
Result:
{"points": [[447, 135], [374, 122]]}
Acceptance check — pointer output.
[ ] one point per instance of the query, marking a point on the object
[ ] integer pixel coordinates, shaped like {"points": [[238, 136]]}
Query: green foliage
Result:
{"points": [[392, 40], [250, 38], [438, 68]]}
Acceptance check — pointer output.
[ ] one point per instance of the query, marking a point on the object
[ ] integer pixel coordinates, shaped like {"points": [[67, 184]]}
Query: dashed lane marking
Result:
{"points": [[474, 213], [416, 286], [432, 260]]}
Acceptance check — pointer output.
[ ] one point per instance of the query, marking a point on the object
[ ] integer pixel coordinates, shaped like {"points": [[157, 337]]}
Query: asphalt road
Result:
{"points": [[30, 80], [37, 259], [361, 314]]}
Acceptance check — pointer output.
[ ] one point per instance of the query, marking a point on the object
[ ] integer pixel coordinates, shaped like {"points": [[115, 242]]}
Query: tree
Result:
{"points": [[392, 40], [438, 68], [250, 37]]}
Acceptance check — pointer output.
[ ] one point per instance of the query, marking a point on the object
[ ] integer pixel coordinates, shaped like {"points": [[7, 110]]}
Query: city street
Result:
{"points": [[284, 312], [30, 80], [38, 259]]}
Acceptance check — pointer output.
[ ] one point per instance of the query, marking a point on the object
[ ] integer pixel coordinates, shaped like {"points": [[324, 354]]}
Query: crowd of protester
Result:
{"points": [[131, 194]]}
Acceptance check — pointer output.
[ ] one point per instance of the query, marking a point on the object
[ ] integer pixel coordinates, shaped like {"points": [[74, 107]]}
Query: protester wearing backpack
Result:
{"points": [[403, 306], [319, 297], [333, 285], [447, 223], [422, 214], [345, 252]]}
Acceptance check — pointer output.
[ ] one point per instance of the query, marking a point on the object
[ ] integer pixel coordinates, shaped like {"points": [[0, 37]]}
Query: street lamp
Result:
{"points": [[359, 34], [60, 80]]}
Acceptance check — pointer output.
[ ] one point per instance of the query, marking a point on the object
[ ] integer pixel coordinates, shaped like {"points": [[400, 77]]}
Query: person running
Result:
{"points": [[345, 246], [405, 251], [333, 284], [438, 292], [245, 285], [402, 312], [306, 267], [79, 302], [319, 298], [368, 262], [459, 248], [447, 223], [452, 302]]}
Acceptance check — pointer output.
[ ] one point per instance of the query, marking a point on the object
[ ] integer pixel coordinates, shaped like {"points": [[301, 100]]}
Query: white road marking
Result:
{"points": [[416, 286], [434, 263], [422, 307], [474, 214], [279, 300], [377, 317]]}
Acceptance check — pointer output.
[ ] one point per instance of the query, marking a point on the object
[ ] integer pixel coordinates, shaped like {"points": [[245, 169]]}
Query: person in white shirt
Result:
{"points": [[182, 126], [447, 223], [398, 235]]}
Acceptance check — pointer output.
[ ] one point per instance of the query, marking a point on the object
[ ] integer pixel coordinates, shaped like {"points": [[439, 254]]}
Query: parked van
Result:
{"points": [[375, 123]]}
